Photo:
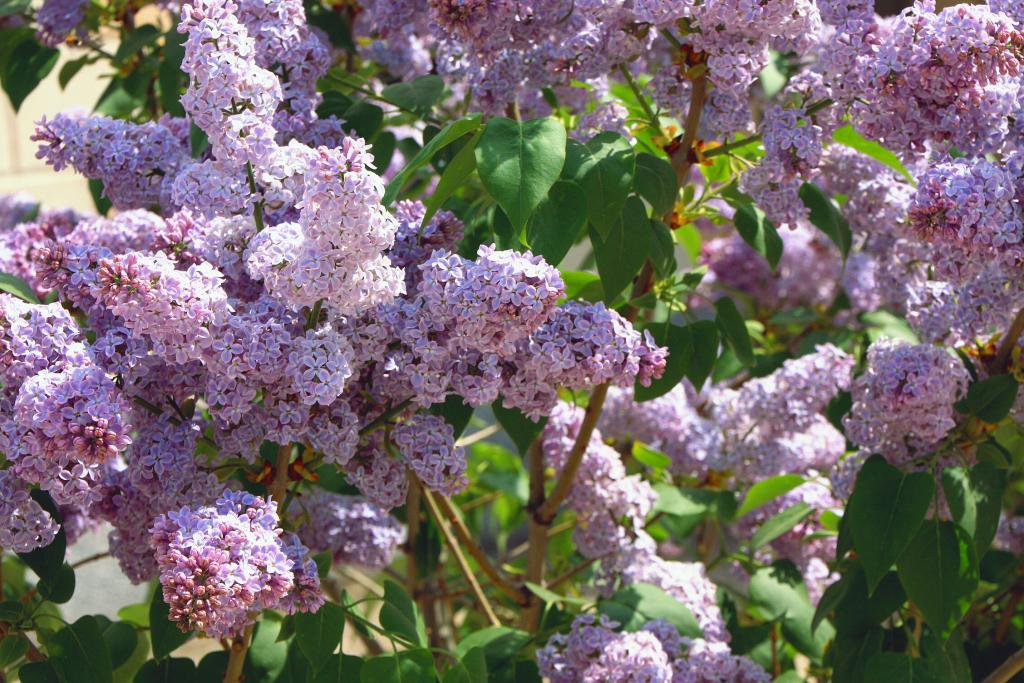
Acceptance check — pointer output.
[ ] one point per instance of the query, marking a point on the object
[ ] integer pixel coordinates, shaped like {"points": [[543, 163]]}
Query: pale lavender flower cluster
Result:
{"points": [[220, 565], [354, 530], [427, 443], [774, 424], [60, 21], [903, 403], [26, 525], [594, 652]]}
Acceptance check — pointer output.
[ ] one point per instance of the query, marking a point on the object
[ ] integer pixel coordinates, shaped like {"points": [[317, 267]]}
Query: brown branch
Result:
{"points": [[91, 558], [683, 158], [236, 657], [1005, 349], [1008, 669], [412, 520], [467, 540], [279, 487], [537, 535], [569, 573], [460, 559]]}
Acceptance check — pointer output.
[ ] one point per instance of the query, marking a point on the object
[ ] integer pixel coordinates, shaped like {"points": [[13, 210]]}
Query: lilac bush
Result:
{"points": [[568, 340]]}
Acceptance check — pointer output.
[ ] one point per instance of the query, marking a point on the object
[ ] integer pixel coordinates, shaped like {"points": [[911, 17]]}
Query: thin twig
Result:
{"points": [[652, 118], [1005, 349], [460, 559], [383, 418], [412, 521], [568, 574], [466, 538], [91, 558], [479, 435], [236, 657], [1008, 669], [537, 535]]}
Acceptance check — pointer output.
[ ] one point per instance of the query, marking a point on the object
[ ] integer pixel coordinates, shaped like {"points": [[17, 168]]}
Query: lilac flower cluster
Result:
{"points": [[27, 525], [427, 443], [903, 403], [593, 652], [352, 529], [220, 565]]}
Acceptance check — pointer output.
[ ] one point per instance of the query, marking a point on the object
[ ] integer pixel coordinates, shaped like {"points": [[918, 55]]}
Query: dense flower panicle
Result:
{"points": [[903, 403], [35, 338], [16, 208], [60, 21], [427, 443], [220, 565], [136, 162], [354, 530], [968, 210], [377, 475], [24, 524], [318, 366], [414, 243], [708, 661]]}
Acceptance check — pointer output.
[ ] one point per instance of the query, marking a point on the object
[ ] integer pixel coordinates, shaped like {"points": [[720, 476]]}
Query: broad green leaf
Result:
{"points": [[453, 177], [892, 667], [418, 96], [990, 399], [604, 167], [29, 63], [13, 647], [499, 644], [648, 456], [79, 654], [780, 523], [121, 639], [582, 285], [409, 666], [734, 330], [768, 490], [939, 571], [975, 499], [521, 429], [679, 342], [170, 670], [557, 222], [17, 287], [663, 249], [857, 612], [827, 217], [472, 668], [363, 119], [449, 134], [886, 509], [757, 231], [170, 77], [635, 605], [318, 633], [518, 162], [9, 7], [38, 672], [773, 77], [70, 69], [851, 138], [59, 587], [622, 253], [780, 590], [267, 655], [134, 41], [136, 615], [551, 597], [455, 412], [400, 615], [164, 635], [655, 181], [704, 337]]}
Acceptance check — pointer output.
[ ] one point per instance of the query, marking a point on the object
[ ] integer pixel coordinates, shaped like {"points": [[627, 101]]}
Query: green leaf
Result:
{"points": [[399, 614], [886, 509], [555, 225], [622, 253], [680, 351], [768, 490], [133, 42], [447, 135], [939, 571], [70, 69], [453, 177], [164, 634], [550, 597], [499, 644], [29, 63], [79, 654], [604, 167], [757, 231], [521, 429], [827, 217], [655, 181], [47, 562], [60, 587], [851, 138], [13, 647], [319, 633], [136, 615], [363, 119], [652, 458], [418, 96], [734, 330], [635, 605], [170, 77], [266, 654], [38, 672], [582, 285], [472, 668], [780, 589], [121, 640], [892, 667], [455, 412], [170, 670], [663, 250], [856, 612], [780, 523], [13, 284], [975, 499], [410, 666], [518, 162], [704, 337], [990, 399], [9, 7]]}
